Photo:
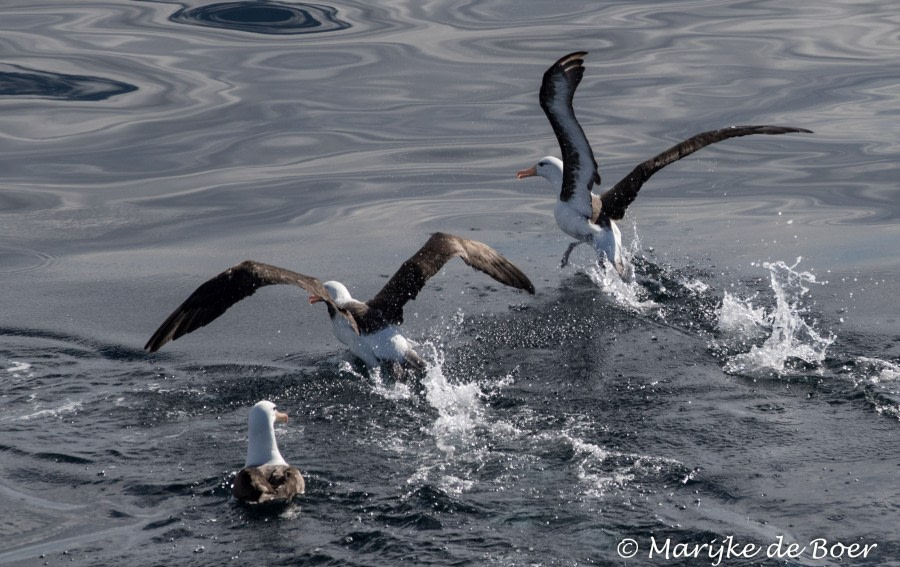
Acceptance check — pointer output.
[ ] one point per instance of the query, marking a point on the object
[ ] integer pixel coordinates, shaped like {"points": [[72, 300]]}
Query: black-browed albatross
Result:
{"points": [[266, 476], [580, 213], [369, 329]]}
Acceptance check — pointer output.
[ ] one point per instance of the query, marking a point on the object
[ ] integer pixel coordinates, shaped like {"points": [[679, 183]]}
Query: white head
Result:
{"points": [[550, 168], [338, 292], [262, 449]]}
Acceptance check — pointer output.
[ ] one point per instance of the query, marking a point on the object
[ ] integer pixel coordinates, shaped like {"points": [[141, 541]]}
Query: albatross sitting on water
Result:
{"points": [[580, 213], [369, 329], [266, 476]]}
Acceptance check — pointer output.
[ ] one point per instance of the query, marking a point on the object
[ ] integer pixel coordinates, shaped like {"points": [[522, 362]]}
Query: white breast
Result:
{"points": [[383, 345], [571, 221]]}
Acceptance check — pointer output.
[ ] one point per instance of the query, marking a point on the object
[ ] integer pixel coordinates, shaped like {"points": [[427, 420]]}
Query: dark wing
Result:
{"points": [[215, 296], [268, 483], [617, 199], [251, 485], [579, 165], [440, 248], [287, 482]]}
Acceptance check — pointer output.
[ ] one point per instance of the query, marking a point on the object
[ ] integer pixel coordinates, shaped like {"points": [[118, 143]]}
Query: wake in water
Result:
{"points": [[787, 337]]}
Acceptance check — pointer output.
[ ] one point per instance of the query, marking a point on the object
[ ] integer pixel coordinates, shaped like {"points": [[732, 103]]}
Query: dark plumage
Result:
{"points": [[269, 483]]}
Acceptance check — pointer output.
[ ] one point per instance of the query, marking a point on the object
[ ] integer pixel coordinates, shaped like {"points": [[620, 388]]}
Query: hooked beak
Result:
{"points": [[530, 172], [314, 299], [281, 417]]}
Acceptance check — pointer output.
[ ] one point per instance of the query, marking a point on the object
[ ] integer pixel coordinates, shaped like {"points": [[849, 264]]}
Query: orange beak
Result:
{"points": [[314, 299], [281, 417], [530, 172]]}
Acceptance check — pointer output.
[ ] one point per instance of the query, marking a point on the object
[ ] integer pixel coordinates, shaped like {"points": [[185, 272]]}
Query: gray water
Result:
{"points": [[746, 386]]}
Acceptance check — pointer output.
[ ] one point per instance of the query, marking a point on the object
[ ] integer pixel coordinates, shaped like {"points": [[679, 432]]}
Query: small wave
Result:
{"points": [[68, 407], [790, 337], [877, 379], [263, 17], [18, 368]]}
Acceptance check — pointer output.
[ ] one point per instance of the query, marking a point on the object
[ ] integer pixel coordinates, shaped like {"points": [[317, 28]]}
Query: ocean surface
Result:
{"points": [[738, 404]]}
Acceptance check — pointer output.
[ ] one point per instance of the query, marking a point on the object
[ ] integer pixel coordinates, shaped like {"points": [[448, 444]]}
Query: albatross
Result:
{"points": [[368, 328], [580, 213], [266, 476]]}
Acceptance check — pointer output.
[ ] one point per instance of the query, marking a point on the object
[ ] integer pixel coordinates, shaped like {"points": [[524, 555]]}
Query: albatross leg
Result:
{"points": [[565, 258]]}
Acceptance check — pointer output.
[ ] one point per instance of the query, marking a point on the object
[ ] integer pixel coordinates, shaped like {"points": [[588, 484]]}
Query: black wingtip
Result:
{"points": [[156, 342]]}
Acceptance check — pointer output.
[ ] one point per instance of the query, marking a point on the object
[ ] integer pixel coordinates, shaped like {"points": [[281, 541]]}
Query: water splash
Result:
{"points": [[459, 406], [391, 390], [630, 294], [790, 337], [627, 293], [739, 318]]}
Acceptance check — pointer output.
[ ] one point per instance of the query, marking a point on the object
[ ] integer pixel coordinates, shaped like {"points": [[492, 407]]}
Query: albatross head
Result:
{"points": [[262, 449], [338, 292], [550, 168]]}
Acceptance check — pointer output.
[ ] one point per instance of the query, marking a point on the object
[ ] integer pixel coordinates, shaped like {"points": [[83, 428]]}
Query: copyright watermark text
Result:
{"points": [[719, 550]]}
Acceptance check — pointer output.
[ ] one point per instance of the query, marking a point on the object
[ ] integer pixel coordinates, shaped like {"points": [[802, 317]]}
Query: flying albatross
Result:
{"points": [[580, 213], [369, 329], [266, 476]]}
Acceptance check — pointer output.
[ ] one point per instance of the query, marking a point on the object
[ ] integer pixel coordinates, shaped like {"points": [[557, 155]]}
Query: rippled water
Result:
{"points": [[730, 391]]}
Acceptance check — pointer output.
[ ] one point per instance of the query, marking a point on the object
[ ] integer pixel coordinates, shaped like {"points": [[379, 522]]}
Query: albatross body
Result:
{"points": [[384, 344], [266, 476], [369, 329], [580, 213]]}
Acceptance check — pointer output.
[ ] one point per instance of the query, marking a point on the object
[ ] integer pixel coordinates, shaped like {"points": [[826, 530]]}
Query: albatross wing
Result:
{"points": [[616, 200], [579, 166], [440, 248], [215, 296], [268, 483]]}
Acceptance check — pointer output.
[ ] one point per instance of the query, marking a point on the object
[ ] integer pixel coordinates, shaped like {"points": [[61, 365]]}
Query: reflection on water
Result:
{"points": [[22, 81], [264, 17]]}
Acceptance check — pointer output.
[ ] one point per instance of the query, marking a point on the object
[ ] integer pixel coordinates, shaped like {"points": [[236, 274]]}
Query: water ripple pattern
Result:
{"points": [[23, 259], [24, 82], [264, 17]]}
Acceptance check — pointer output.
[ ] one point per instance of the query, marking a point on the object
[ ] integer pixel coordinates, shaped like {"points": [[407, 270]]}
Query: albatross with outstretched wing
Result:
{"points": [[580, 213], [369, 329]]}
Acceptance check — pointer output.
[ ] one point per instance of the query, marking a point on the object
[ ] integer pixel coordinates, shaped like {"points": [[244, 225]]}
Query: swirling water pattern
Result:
{"points": [[149, 144], [263, 17]]}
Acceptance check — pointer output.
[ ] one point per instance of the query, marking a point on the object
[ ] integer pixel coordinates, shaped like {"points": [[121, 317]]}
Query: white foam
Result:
{"points": [[53, 412], [877, 370]]}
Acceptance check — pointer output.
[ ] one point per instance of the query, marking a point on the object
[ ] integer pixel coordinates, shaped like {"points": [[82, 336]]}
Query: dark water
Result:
{"points": [[734, 391]]}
